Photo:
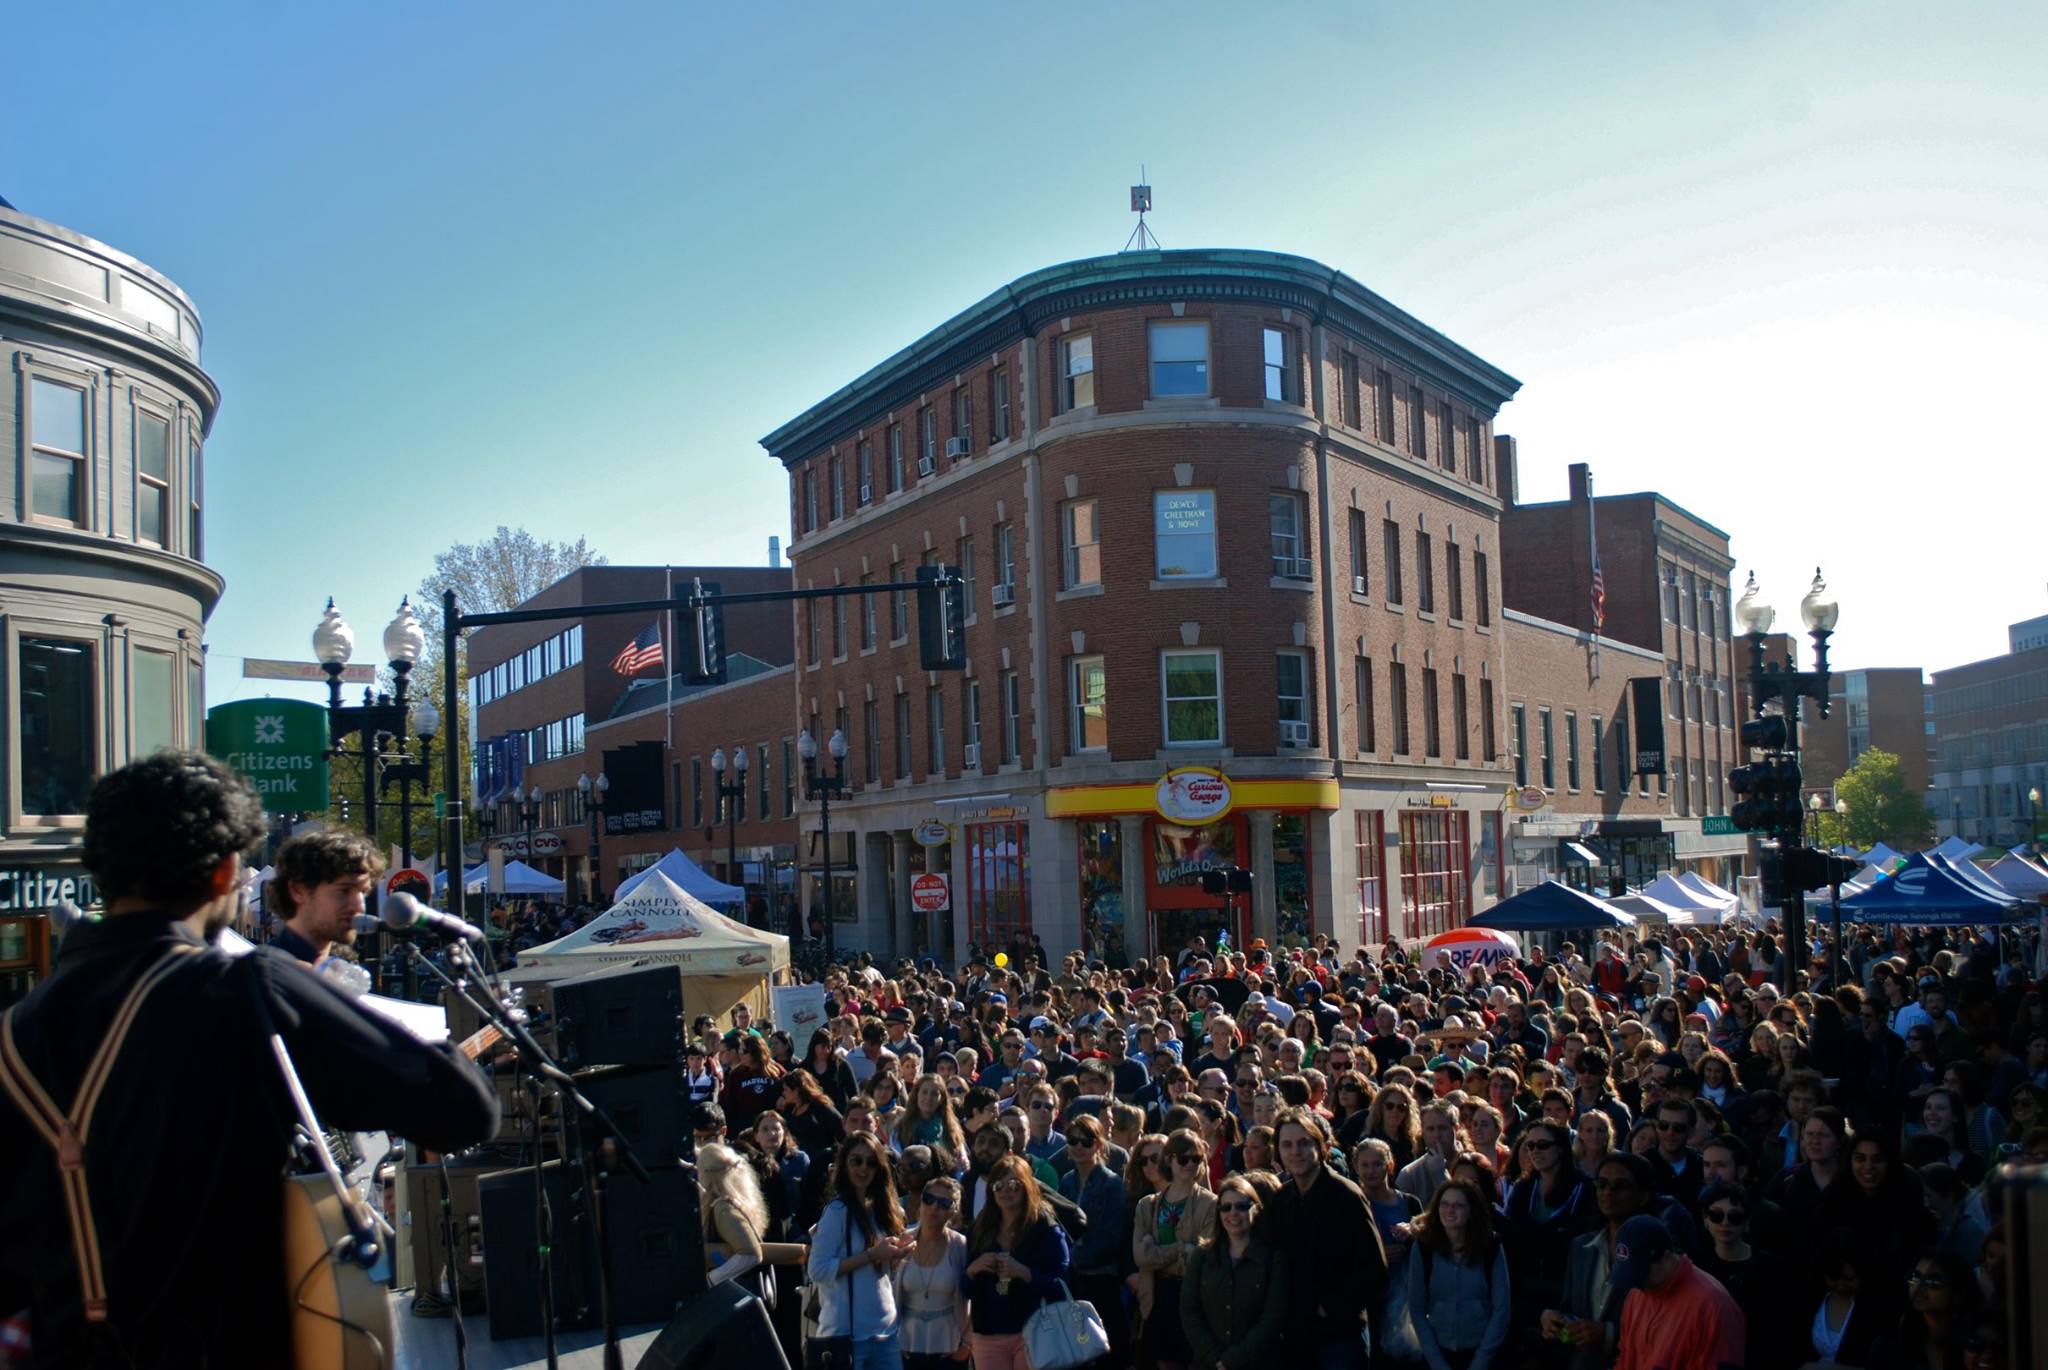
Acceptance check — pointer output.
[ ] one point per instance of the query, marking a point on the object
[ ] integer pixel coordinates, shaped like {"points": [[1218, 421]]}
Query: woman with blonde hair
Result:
{"points": [[735, 1219], [929, 1120], [1168, 1224]]}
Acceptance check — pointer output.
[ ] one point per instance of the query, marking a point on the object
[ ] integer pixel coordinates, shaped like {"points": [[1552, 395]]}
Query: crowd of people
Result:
{"points": [[1654, 1154]]}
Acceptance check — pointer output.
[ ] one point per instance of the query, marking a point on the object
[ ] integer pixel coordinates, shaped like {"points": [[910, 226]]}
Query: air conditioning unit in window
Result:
{"points": [[867, 494], [1294, 568], [956, 448], [972, 759], [927, 467], [1293, 734], [1003, 594], [1358, 585]]}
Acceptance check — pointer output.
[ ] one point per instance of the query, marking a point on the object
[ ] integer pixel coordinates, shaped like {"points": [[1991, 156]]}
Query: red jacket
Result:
{"points": [[1689, 1324]]}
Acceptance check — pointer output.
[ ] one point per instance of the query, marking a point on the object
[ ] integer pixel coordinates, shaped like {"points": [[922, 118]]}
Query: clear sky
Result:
{"points": [[466, 264]]}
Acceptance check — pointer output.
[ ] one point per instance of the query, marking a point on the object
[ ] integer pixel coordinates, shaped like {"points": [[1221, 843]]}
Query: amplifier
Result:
{"points": [[630, 1015], [426, 1225], [648, 1105]]}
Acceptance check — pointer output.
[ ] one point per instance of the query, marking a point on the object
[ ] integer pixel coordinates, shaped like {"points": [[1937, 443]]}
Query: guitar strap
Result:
{"points": [[67, 1133]]}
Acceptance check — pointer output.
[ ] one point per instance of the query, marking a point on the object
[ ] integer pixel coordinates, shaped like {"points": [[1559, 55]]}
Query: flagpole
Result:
{"points": [[668, 664]]}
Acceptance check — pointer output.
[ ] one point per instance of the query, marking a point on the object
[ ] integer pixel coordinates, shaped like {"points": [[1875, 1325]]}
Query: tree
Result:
{"points": [[1881, 808]]}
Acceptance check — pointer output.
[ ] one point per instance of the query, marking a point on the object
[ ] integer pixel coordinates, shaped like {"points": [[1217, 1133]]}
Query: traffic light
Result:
{"points": [[1767, 734], [941, 614], [1767, 794], [1808, 869], [701, 632]]}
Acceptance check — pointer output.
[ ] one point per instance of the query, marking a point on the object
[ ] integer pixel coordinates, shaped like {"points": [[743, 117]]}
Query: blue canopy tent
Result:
{"points": [[1922, 891], [1552, 907]]}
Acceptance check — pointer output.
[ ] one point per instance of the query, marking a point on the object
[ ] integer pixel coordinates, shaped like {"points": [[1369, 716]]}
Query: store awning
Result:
{"points": [[1578, 854]]}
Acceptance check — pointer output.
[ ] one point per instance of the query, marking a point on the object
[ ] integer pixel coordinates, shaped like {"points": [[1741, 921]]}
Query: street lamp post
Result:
{"points": [[1841, 961], [824, 789], [593, 802], [2034, 821], [529, 816], [734, 798]]}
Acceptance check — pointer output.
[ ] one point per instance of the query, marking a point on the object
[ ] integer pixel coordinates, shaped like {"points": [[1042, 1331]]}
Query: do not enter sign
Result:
{"points": [[930, 893]]}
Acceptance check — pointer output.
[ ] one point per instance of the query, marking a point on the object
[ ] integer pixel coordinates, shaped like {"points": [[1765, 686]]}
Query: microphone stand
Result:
{"points": [[598, 1125]]}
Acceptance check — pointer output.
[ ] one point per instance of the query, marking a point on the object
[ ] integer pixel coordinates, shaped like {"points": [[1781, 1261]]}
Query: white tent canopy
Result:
{"points": [[520, 878], [1957, 849], [658, 921], [1669, 889], [1881, 855], [687, 876], [1649, 910], [1707, 889], [2020, 876]]}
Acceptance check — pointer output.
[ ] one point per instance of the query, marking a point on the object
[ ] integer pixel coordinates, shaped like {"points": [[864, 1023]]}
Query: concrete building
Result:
{"points": [[1666, 574], [2025, 637], [548, 706], [104, 593], [1230, 530], [1991, 742], [1889, 708]]}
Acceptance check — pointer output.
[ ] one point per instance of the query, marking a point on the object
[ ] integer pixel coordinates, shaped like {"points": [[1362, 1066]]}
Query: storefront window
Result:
{"points": [[56, 725], [1435, 887], [1102, 891], [998, 885], [1372, 883], [1181, 908], [1291, 902]]}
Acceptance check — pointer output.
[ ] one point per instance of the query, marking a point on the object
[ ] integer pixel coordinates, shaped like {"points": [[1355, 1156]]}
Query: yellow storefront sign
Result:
{"points": [[1105, 801]]}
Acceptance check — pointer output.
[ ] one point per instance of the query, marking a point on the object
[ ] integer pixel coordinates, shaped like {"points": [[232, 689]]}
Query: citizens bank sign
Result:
{"points": [[32, 889], [280, 745]]}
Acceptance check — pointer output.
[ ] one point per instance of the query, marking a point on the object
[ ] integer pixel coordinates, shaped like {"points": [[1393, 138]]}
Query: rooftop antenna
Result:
{"points": [[1141, 201]]}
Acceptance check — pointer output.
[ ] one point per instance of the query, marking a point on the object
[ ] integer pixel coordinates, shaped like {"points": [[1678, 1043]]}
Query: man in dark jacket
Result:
{"points": [[1337, 1267], [184, 1153]]}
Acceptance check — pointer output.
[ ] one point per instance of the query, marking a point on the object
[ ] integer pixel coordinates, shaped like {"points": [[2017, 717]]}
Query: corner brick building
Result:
{"points": [[1231, 531]]}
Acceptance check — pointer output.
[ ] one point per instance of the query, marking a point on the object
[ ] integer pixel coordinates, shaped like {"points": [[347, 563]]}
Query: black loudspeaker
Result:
{"points": [[649, 1107], [629, 1015], [657, 1243], [724, 1328], [511, 1263]]}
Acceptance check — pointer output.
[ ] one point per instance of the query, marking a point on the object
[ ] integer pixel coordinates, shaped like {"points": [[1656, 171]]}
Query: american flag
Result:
{"points": [[642, 652], [1599, 597]]}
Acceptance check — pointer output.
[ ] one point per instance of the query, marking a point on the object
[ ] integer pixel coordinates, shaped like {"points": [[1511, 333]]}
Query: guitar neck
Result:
{"points": [[480, 1041]]}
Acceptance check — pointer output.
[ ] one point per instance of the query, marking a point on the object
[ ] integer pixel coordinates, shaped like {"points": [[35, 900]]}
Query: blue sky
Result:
{"points": [[481, 264]]}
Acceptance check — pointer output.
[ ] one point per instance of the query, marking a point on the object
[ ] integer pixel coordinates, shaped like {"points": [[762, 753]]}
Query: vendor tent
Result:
{"points": [[520, 879], [1669, 889], [1973, 875], [1649, 910], [1956, 849], [723, 962], [1552, 907], [2020, 877], [687, 876], [1923, 892], [1881, 855], [1707, 889]]}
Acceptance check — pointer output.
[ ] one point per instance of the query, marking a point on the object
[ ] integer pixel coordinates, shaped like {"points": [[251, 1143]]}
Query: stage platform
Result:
{"points": [[429, 1343]]}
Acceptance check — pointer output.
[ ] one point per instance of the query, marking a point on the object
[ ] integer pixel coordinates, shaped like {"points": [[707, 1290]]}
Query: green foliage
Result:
{"points": [[1881, 808]]}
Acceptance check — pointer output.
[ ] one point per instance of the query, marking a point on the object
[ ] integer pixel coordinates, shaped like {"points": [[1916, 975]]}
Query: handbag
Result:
{"points": [[829, 1353], [1065, 1334]]}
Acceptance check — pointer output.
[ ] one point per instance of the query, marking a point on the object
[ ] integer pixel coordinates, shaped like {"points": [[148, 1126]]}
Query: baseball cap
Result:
{"points": [[1642, 1241], [999, 998], [1696, 983], [1255, 1000], [1040, 1023]]}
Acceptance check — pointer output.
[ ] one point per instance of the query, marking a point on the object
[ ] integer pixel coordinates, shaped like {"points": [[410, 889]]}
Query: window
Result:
{"points": [[970, 714], [1361, 582], [902, 737], [1707, 619], [1285, 515], [1077, 372], [1361, 687], [1383, 393], [1713, 701], [1391, 537], [864, 470], [963, 553], [1418, 435], [998, 882], [1184, 534], [867, 616], [195, 485], [1543, 724], [1347, 385], [871, 732], [57, 455], [1193, 685], [1425, 574], [895, 457], [1279, 369], [899, 605], [1180, 359], [1080, 545], [1448, 455], [1461, 721], [999, 405], [837, 499], [764, 798], [1006, 568], [696, 791], [1475, 460], [1397, 688], [153, 478], [808, 498], [1598, 730], [1454, 578], [1689, 604], [195, 703], [1372, 888], [1483, 588], [1088, 698], [152, 702], [811, 612], [927, 440], [963, 416], [1432, 732], [1521, 722], [935, 730], [1489, 750], [1671, 594], [1674, 690], [1571, 750], [1292, 669], [1434, 885], [1013, 717], [838, 627]]}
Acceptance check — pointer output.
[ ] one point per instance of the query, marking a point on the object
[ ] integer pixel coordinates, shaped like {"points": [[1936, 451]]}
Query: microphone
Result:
{"points": [[403, 912]]}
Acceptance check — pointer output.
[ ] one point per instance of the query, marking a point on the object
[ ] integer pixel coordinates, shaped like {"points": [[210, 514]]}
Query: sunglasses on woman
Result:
{"points": [[1234, 1206], [1726, 1215], [938, 1201]]}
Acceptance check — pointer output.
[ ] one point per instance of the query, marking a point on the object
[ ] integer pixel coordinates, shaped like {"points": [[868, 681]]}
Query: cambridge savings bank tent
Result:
{"points": [[1925, 892], [722, 962]]}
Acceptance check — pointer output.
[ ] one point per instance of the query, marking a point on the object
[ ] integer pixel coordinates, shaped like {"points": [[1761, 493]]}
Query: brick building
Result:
{"points": [[1991, 740], [1889, 708], [547, 707], [1230, 531], [1666, 577]]}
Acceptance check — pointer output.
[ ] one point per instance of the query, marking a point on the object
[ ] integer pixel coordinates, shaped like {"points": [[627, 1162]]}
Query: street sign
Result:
{"points": [[279, 744], [413, 881], [930, 893], [1717, 825], [263, 668]]}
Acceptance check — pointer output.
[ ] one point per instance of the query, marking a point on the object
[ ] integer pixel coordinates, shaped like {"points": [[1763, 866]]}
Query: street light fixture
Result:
{"points": [[593, 803], [2034, 820], [733, 798], [824, 789]]}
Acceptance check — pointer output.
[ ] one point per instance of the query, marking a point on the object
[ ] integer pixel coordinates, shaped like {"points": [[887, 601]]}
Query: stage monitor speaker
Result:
{"points": [[628, 1015], [512, 1292], [657, 1243], [724, 1328], [427, 1234], [649, 1107]]}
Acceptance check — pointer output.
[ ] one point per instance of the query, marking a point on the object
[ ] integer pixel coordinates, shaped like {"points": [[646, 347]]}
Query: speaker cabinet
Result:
{"points": [[723, 1328], [649, 1107], [511, 1253]]}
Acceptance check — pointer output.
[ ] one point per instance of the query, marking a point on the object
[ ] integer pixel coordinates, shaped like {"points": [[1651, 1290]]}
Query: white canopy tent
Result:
{"points": [[1707, 889], [1669, 889], [723, 962], [1649, 910], [687, 876], [1881, 856], [1957, 849], [2019, 875], [520, 879]]}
